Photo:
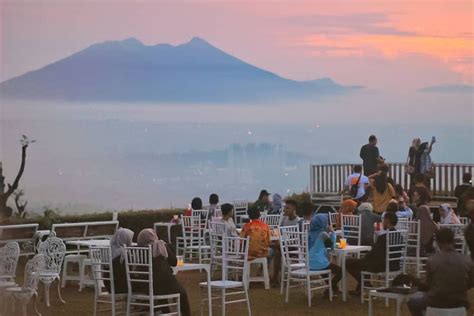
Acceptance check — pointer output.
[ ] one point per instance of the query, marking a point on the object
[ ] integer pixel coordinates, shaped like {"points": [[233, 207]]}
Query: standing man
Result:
{"points": [[370, 156], [356, 184]]}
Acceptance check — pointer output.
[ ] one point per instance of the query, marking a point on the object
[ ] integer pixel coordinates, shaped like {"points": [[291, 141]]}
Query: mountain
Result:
{"points": [[449, 88], [129, 71]]}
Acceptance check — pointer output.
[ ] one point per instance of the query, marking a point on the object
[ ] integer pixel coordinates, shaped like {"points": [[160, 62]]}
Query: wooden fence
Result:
{"points": [[330, 178]]}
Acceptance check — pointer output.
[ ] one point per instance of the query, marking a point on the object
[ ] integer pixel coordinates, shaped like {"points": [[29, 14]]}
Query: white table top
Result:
{"points": [[350, 248], [165, 224], [191, 266], [89, 242]]}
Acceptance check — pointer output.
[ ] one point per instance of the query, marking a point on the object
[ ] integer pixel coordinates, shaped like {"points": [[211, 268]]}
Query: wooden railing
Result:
{"points": [[330, 178]]}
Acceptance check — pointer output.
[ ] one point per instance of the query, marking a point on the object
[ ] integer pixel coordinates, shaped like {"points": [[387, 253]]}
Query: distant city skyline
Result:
{"points": [[379, 44]]}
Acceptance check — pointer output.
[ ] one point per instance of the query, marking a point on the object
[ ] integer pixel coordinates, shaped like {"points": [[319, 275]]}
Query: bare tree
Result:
{"points": [[20, 206], [6, 211]]}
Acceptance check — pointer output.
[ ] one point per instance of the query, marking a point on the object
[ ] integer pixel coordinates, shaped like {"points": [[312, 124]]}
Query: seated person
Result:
{"points": [[374, 261], [196, 204], [427, 230], [448, 277], [469, 233], [307, 215], [228, 219], [277, 204], [399, 208], [348, 207], [447, 215], [213, 202], [259, 233], [164, 281], [263, 203], [367, 220], [318, 241], [290, 218], [122, 236]]}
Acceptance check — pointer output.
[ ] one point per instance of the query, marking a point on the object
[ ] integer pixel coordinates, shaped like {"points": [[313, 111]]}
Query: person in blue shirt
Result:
{"points": [[320, 238]]}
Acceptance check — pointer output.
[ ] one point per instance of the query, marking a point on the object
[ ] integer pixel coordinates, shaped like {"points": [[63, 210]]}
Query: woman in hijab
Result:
{"points": [[122, 236], [164, 282], [318, 241], [447, 215], [427, 229], [277, 204]]}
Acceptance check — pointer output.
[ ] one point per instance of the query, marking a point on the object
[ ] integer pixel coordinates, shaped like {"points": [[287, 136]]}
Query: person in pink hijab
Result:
{"points": [[164, 281], [447, 215]]}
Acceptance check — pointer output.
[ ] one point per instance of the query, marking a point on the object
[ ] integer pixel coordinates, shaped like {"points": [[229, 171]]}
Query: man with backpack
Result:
{"points": [[356, 184]]}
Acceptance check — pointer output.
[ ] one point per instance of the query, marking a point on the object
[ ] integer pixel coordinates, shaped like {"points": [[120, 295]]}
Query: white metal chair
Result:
{"points": [[290, 239], [272, 220], [102, 271], [395, 253], [139, 267], [29, 289], [460, 311], [402, 223], [459, 241], [413, 256], [464, 220], [218, 231], [351, 229], [201, 214], [265, 278], [9, 255], [241, 208], [296, 255], [235, 262], [194, 239], [54, 250]]}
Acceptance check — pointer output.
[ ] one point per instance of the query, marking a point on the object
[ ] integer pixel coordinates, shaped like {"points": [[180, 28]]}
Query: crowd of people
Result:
{"points": [[374, 196]]}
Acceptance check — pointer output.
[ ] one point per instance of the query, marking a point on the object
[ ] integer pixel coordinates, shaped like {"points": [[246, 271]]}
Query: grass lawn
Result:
{"points": [[263, 302]]}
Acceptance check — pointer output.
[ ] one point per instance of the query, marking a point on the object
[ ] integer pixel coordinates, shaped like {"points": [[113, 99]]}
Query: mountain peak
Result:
{"points": [[131, 41], [197, 42]]}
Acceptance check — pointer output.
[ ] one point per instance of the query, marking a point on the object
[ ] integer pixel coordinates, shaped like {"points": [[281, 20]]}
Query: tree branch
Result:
{"points": [[12, 188]]}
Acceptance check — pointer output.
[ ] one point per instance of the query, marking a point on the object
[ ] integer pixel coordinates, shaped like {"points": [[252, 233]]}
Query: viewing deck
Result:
{"points": [[328, 179]]}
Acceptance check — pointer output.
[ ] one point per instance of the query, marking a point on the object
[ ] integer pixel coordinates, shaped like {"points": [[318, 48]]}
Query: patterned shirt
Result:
{"points": [[259, 234]]}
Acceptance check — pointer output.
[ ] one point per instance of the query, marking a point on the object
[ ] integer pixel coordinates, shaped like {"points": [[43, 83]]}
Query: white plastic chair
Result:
{"points": [[297, 255], [30, 284], [9, 255], [464, 220], [217, 230], [235, 262], [290, 239], [102, 270], [395, 252], [194, 238], [139, 267], [54, 250], [241, 208], [413, 253], [402, 223], [272, 220], [351, 229], [460, 311], [333, 220]]}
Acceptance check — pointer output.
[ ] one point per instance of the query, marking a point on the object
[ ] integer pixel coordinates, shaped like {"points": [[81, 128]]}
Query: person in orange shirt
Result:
{"points": [[348, 207]]}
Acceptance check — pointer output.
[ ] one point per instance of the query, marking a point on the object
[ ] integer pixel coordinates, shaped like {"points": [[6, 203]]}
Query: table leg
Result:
{"points": [[398, 306], [209, 295], [169, 234], [371, 307], [344, 281]]}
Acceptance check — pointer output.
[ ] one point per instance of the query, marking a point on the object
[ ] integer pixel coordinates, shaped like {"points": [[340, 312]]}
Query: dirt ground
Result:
{"points": [[263, 302]]}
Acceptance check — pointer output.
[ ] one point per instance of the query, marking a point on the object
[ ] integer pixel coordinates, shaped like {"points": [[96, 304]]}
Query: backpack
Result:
{"points": [[355, 188]]}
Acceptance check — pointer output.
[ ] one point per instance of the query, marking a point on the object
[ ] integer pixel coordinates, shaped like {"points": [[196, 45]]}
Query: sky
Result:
{"points": [[391, 45]]}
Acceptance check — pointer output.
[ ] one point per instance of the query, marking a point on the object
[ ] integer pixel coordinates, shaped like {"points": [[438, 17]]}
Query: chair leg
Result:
{"points": [[265, 276], [308, 289], [330, 287], [81, 274], [287, 295], [59, 291], [35, 297], [63, 282], [94, 312], [127, 313], [248, 302], [362, 281], [46, 293], [282, 278], [223, 301]]}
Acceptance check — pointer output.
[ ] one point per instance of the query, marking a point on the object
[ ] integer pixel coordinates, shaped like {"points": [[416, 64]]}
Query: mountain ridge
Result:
{"points": [[130, 71]]}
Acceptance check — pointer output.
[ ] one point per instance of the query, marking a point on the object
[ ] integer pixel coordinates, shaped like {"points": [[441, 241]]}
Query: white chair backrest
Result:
{"points": [[272, 220], [351, 228], [464, 220], [139, 269], [288, 236], [402, 223], [9, 255], [240, 209], [459, 241], [294, 247], [54, 250], [218, 231], [235, 257], [333, 220], [413, 238], [396, 248], [102, 267], [32, 269]]}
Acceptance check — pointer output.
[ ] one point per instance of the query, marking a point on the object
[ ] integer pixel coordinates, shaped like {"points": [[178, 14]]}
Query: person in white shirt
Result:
{"points": [[356, 181], [227, 218], [290, 218]]}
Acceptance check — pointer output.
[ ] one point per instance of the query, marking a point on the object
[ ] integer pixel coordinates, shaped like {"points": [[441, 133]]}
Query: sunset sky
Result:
{"points": [[395, 45]]}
